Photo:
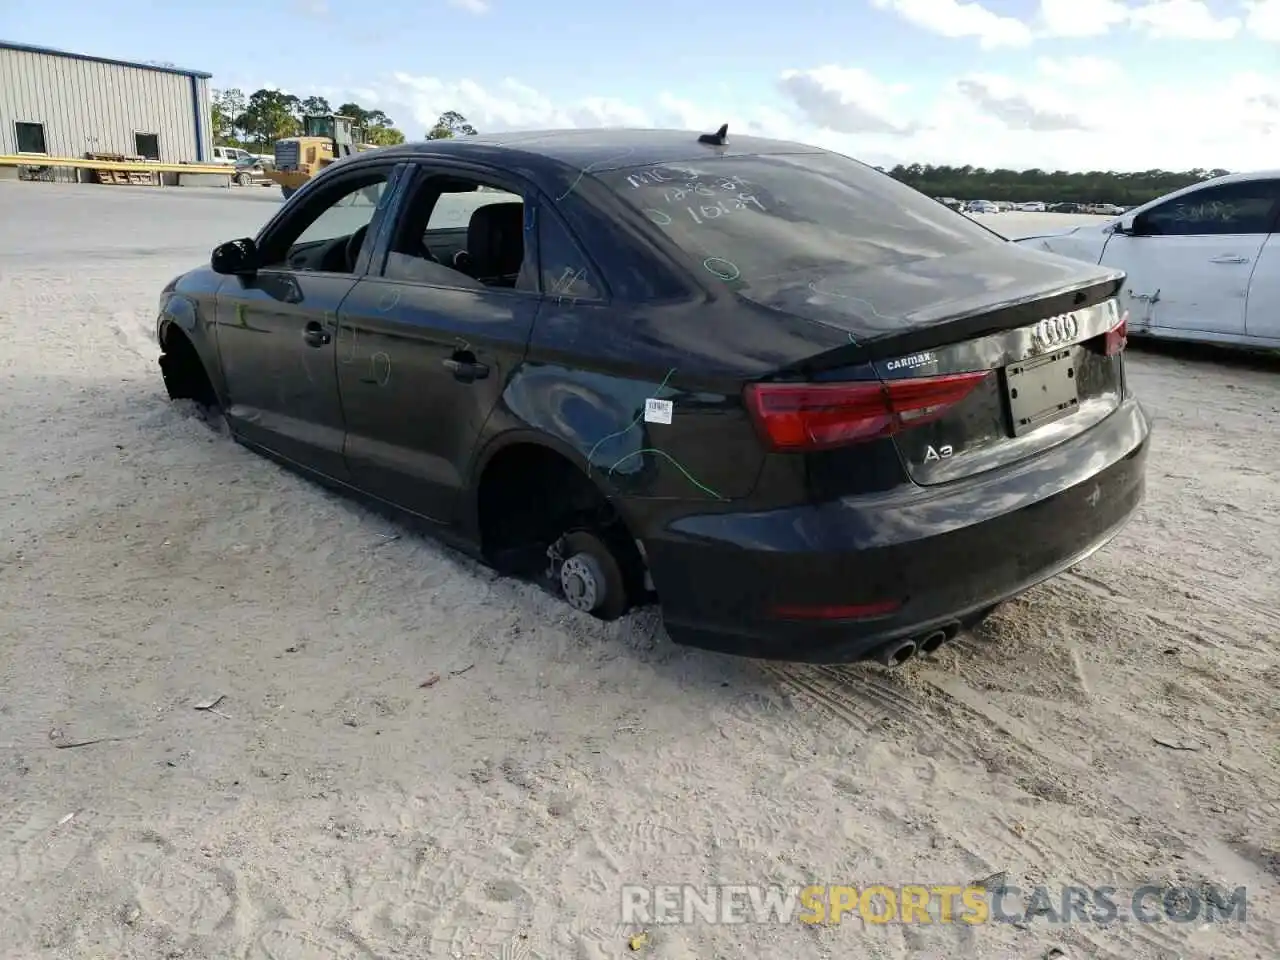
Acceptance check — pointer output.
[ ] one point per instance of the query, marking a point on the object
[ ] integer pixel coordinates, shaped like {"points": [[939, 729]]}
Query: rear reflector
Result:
{"points": [[845, 612], [1114, 340], [795, 417]]}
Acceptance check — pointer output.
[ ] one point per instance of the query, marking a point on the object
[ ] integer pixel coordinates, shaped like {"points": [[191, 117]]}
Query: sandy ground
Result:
{"points": [[1118, 726]]}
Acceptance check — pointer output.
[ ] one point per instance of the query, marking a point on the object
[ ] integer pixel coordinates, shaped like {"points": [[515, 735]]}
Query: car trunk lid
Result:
{"points": [[1025, 390], [990, 367]]}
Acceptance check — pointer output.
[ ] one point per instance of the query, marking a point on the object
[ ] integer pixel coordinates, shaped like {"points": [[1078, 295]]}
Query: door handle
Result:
{"points": [[314, 335], [466, 370], [1229, 260]]}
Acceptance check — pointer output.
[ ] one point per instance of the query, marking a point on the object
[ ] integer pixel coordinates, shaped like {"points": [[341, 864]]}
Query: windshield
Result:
{"points": [[319, 127], [752, 221]]}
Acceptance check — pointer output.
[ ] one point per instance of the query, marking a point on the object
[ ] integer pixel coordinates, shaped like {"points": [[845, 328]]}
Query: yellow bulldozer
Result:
{"points": [[326, 137]]}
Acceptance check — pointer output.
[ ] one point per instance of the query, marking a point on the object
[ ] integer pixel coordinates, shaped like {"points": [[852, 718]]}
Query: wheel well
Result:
{"points": [[529, 496], [185, 377]]}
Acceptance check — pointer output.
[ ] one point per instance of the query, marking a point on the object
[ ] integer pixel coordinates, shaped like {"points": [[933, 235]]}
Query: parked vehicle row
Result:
{"points": [[1034, 206], [814, 414]]}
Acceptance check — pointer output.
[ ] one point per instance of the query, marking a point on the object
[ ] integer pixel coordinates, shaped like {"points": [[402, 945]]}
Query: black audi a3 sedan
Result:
{"points": [[812, 412]]}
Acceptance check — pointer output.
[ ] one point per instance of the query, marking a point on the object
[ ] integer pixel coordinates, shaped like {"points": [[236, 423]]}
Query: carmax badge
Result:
{"points": [[911, 362]]}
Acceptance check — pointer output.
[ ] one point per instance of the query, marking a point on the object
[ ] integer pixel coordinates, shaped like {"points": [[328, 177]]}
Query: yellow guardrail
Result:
{"points": [[126, 166]]}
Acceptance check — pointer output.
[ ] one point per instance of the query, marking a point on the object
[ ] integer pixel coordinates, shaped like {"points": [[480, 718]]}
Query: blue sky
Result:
{"points": [[1057, 83]]}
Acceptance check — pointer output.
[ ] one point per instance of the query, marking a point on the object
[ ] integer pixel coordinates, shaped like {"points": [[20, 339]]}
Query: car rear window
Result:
{"points": [[751, 221]]}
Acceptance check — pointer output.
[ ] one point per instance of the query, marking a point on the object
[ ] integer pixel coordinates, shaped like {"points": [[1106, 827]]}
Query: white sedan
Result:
{"points": [[1203, 262]]}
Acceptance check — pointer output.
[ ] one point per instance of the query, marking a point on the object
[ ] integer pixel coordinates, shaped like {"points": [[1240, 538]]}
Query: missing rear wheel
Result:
{"points": [[588, 575]]}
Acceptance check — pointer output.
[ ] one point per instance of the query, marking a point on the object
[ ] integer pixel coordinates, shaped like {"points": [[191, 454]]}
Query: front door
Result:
{"points": [[277, 328], [428, 340], [1191, 259], [275, 333]]}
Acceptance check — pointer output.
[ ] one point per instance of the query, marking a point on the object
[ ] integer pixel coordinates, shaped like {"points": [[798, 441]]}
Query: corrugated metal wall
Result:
{"points": [[99, 107]]}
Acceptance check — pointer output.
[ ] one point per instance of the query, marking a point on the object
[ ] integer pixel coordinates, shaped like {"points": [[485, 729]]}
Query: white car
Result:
{"points": [[1203, 262]]}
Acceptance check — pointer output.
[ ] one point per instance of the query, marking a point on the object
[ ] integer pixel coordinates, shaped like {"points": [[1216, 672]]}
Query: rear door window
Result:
{"points": [[755, 222], [1232, 208], [566, 272]]}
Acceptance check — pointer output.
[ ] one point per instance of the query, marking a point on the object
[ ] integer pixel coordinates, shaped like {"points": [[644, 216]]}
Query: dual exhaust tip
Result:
{"points": [[898, 652]]}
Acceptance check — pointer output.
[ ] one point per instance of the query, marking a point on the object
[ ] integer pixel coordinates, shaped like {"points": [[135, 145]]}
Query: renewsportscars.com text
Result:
{"points": [[929, 904]]}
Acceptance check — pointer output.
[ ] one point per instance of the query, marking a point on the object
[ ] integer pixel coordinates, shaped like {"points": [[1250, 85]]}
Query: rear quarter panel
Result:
{"points": [[585, 381]]}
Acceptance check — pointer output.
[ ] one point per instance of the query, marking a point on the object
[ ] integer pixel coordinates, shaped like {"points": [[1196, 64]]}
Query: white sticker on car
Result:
{"points": [[657, 411]]}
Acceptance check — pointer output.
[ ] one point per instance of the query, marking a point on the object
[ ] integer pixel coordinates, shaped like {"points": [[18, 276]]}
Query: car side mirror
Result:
{"points": [[1133, 226], [235, 257]]}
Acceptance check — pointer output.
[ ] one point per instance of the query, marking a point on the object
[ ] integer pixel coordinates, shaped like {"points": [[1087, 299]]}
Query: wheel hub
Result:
{"points": [[582, 582]]}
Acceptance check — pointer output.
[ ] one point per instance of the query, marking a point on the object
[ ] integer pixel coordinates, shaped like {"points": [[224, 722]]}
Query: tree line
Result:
{"points": [[259, 119], [1125, 189]]}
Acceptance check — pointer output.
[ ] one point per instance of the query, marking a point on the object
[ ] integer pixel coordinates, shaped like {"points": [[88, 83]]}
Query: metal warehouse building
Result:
{"points": [[68, 104]]}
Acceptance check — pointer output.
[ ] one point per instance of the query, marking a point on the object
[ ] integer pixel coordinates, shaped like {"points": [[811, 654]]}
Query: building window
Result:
{"points": [[147, 145], [30, 137]]}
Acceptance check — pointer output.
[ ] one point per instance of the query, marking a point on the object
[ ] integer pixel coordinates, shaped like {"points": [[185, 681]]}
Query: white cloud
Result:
{"points": [[1078, 112], [1021, 108], [961, 18], [1076, 19], [1079, 71], [1263, 20], [1183, 20], [1080, 18], [845, 100], [415, 103], [472, 6]]}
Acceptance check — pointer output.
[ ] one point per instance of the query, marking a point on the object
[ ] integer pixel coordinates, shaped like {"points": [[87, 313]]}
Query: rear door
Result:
{"points": [[1190, 259], [425, 348]]}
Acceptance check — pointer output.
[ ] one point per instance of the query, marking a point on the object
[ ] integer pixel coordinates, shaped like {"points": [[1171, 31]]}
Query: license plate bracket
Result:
{"points": [[1041, 390]]}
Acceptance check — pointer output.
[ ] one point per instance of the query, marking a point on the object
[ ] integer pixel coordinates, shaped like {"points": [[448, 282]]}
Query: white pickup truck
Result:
{"points": [[230, 155]]}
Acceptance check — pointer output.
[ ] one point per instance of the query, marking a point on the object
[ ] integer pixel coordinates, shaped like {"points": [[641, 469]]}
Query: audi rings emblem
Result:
{"points": [[1056, 331]]}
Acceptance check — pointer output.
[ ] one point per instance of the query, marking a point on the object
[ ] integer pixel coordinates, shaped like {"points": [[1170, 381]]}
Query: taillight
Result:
{"points": [[816, 416], [1114, 340]]}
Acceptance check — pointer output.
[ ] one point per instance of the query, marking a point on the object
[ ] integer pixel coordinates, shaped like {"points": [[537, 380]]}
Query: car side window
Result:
{"points": [[327, 234], [460, 231], [1233, 208], [566, 272], [453, 210]]}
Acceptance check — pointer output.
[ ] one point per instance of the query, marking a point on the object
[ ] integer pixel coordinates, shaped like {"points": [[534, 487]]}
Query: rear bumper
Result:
{"points": [[942, 553]]}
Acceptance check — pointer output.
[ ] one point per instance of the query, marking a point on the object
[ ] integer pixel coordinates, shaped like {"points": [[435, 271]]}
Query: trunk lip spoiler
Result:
{"points": [[999, 317]]}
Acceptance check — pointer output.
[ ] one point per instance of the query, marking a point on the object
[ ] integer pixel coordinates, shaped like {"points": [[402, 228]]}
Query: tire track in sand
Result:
{"points": [[855, 697], [175, 889], [291, 940]]}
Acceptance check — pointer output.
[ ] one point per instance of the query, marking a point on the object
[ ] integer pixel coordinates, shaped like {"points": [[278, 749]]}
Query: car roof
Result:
{"points": [[596, 149], [1247, 175], [1222, 181]]}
